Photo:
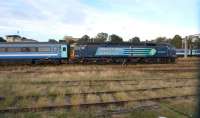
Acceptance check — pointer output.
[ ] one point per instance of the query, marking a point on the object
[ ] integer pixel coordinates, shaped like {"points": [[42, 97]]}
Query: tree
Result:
{"points": [[161, 40], [176, 41], [101, 37], [115, 38], [62, 41], [135, 40], [2, 39], [84, 39], [52, 41], [196, 44], [189, 41]]}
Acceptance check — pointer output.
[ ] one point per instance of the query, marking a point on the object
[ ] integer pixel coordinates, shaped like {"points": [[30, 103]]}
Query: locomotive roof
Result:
{"points": [[124, 43]]}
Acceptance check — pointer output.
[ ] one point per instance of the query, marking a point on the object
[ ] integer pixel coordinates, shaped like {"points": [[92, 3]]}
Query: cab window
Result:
{"points": [[64, 48]]}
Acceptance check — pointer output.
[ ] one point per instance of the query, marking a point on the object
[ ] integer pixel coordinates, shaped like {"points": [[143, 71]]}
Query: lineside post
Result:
{"points": [[185, 54]]}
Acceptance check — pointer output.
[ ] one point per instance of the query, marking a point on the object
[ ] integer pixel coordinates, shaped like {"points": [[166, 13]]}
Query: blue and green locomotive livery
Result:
{"points": [[125, 52]]}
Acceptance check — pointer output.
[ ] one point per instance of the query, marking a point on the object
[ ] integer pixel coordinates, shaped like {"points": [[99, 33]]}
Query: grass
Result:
{"points": [[90, 113], [7, 102], [23, 81], [76, 99], [42, 101], [162, 112], [25, 103], [186, 106], [51, 114], [91, 98], [56, 90], [107, 98], [121, 96], [60, 100]]}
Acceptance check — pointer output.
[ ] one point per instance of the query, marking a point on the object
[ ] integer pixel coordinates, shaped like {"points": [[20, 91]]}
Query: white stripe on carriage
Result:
{"points": [[4, 55], [195, 53]]}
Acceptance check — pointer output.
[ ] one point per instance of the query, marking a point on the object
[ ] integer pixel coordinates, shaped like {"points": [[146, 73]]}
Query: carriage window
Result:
{"points": [[33, 49], [44, 49], [2, 49], [29, 49], [64, 49], [25, 49], [55, 49], [13, 49]]}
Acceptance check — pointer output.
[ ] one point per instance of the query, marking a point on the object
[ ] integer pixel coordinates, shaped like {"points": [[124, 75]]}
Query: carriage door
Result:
{"points": [[64, 51]]}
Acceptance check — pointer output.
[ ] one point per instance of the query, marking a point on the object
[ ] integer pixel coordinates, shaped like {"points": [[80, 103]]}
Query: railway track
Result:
{"points": [[87, 105], [147, 105], [178, 64], [99, 82], [180, 61], [144, 69], [108, 92], [101, 102]]}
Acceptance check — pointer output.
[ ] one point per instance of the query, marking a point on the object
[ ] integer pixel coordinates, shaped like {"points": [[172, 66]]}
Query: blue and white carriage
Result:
{"points": [[190, 52], [37, 51]]}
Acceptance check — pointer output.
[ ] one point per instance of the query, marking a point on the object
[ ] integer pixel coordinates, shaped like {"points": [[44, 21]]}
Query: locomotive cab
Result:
{"points": [[64, 51]]}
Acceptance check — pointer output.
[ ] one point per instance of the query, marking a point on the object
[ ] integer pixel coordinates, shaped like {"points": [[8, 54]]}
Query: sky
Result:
{"points": [[54, 19]]}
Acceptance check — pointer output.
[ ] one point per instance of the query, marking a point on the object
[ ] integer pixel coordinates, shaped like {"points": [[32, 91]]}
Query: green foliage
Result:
{"points": [[177, 41], [101, 37], [2, 39], [161, 40], [84, 39], [115, 39], [163, 111], [135, 40], [196, 44], [32, 115], [190, 43], [52, 41]]}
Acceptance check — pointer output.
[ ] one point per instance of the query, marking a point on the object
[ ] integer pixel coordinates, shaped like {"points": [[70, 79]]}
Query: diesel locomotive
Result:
{"points": [[125, 52], [87, 52]]}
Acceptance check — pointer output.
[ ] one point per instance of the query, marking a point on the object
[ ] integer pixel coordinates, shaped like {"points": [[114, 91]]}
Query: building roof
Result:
{"points": [[13, 36], [28, 40]]}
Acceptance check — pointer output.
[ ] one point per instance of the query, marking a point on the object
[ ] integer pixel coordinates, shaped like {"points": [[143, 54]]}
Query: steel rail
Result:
{"points": [[86, 105]]}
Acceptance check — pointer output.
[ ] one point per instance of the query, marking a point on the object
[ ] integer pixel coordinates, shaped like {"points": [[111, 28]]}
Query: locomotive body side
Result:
{"points": [[126, 51]]}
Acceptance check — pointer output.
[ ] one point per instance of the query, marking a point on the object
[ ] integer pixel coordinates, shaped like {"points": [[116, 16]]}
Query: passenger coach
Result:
{"points": [[33, 52]]}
